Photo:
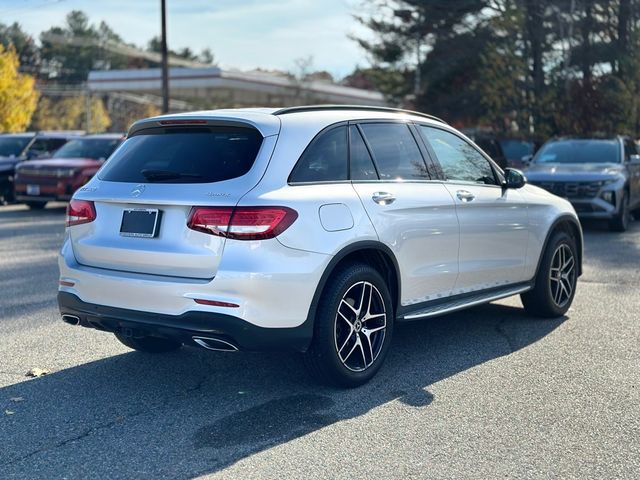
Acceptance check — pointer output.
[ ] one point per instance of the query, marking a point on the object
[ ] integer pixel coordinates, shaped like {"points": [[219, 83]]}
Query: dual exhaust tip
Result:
{"points": [[217, 344], [71, 319], [210, 343]]}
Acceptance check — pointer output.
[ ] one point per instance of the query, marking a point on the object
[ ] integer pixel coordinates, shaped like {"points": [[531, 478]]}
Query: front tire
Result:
{"points": [[149, 344], [620, 222], [353, 327], [555, 284]]}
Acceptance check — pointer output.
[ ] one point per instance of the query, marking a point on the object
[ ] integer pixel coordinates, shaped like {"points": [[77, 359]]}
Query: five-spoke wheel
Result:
{"points": [[353, 327], [555, 284], [360, 326]]}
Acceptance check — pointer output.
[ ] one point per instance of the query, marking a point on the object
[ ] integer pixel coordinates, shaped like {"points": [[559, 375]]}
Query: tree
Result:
{"points": [[70, 113], [18, 96], [26, 48]]}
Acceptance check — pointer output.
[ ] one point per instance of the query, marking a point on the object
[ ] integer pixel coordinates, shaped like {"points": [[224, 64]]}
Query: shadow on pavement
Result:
{"points": [[194, 412]]}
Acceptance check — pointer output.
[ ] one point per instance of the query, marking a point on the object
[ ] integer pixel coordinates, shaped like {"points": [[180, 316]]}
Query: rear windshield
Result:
{"points": [[184, 155], [95, 148], [579, 151]]}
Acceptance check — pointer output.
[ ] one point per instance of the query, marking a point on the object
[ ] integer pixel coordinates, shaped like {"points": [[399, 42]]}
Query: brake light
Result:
{"points": [[183, 122], [80, 211], [242, 223]]}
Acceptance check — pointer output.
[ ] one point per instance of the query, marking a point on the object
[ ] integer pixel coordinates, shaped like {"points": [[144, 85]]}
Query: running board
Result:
{"points": [[467, 301]]}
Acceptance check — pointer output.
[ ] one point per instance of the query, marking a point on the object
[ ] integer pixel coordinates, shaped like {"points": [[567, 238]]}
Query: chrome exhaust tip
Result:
{"points": [[216, 344], [71, 319]]}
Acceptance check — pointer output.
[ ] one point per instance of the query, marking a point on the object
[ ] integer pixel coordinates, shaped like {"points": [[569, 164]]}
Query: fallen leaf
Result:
{"points": [[37, 372]]}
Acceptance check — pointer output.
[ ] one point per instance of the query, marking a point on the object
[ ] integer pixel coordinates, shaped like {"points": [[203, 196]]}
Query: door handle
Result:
{"points": [[465, 196], [383, 198]]}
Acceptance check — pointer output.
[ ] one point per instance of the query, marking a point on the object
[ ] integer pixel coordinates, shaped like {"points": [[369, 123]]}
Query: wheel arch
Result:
{"points": [[373, 253], [571, 226]]}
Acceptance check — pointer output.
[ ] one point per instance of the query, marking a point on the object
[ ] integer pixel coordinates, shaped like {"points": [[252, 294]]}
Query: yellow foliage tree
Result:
{"points": [[69, 113], [18, 96]]}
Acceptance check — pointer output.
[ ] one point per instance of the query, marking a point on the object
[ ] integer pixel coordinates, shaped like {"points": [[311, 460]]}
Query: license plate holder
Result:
{"points": [[33, 189], [140, 222]]}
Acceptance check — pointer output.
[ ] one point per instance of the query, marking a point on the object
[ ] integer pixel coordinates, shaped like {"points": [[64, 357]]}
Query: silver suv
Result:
{"points": [[600, 177], [313, 229]]}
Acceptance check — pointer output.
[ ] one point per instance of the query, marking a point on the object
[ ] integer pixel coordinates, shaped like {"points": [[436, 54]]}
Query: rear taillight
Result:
{"points": [[80, 211], [242, 223]]}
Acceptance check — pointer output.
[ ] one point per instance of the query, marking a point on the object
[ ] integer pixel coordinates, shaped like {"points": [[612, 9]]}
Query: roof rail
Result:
{"points": [[316, 108]]}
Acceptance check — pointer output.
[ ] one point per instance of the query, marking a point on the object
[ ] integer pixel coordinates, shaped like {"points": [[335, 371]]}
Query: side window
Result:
{"points": [[362, 167], [325, 159], [458, 159], [395, 151]]}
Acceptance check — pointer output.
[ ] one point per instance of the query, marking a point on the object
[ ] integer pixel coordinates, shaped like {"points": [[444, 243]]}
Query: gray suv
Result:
{"points": [[600, 177]]}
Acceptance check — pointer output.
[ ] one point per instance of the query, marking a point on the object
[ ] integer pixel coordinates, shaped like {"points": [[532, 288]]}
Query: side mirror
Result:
{"points": [[634, 159], [514, 178]]}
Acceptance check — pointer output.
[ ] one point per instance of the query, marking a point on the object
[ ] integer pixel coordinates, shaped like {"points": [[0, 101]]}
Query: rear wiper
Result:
{"points": [[166, 174]]}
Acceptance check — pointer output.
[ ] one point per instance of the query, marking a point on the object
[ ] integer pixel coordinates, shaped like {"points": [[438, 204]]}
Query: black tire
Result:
{"points": [[620, 222], [149, 344], [36, 205], [543, 300], [338, 322]]}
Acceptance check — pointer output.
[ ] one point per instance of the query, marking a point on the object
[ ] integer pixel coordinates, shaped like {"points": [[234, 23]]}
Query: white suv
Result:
{"points": [[307, 228]]}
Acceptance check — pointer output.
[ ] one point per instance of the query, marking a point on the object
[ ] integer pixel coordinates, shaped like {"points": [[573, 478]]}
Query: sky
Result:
{"points": [[242, 34]]}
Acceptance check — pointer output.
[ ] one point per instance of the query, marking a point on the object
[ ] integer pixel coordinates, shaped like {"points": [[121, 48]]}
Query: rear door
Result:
{"points": [[414, 216], [493, 221], [154, 178]]}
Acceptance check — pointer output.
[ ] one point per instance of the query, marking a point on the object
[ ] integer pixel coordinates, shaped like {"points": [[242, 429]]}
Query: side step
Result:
{"points": [[467, 301]]}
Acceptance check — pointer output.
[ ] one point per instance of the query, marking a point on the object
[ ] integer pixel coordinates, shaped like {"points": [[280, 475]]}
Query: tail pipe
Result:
{"points": [[71, 319], [217, 344]]}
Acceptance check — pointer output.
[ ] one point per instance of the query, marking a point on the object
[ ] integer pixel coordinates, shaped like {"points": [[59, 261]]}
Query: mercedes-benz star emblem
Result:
{"points": [[137, 191]]}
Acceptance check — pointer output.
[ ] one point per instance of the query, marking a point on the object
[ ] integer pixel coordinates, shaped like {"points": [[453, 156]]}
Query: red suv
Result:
{"points": [[40, 181]]}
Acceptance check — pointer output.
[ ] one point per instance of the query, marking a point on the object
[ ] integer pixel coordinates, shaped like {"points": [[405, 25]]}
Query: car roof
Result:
{"points": [[269, 120]]}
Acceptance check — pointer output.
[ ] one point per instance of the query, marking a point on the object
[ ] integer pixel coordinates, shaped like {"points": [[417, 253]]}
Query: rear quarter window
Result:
{"points": [[184, 155]]}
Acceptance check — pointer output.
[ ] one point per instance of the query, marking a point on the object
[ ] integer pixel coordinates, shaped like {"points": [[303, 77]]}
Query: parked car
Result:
{"points": [[600, 176], [40, 181], [16, 147], [517, 149], [312, 229]]}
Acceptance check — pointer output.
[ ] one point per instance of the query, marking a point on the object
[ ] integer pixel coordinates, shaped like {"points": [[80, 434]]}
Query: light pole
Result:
{"points": [[165, 66]]}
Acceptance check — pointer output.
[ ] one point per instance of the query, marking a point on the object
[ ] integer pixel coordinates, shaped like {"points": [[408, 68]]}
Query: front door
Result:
{"points": [[493, 221]]}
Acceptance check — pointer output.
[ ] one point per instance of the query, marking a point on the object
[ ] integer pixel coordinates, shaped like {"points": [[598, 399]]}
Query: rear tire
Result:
{"points": [[620, 222], [353, 327], [36, 205], [149, 344], [555, 284]]}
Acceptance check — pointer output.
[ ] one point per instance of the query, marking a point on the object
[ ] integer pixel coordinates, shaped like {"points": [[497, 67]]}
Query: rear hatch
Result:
{"points": [[145, 192]]}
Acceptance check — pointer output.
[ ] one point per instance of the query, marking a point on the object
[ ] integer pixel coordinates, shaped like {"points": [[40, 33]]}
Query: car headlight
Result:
{"points": [[612, 180]]}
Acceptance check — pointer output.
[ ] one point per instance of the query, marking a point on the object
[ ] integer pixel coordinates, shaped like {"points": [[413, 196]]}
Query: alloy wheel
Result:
{"points": [[562, 275], [360, 326]]}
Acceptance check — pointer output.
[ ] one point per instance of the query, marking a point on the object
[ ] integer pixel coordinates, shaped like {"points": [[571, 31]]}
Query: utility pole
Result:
{"points": [[165, 66]]}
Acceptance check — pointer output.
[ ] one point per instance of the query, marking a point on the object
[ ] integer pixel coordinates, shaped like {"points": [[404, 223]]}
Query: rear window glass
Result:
{"points": [[184, 155], [395, 151], [325, 160], [362, 167]]}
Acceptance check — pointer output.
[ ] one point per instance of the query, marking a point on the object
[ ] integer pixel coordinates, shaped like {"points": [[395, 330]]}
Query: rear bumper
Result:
{"points": [[183, 328]]}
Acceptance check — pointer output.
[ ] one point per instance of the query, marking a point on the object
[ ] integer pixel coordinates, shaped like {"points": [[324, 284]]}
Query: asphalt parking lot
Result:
{"points": [[488, 393]]}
